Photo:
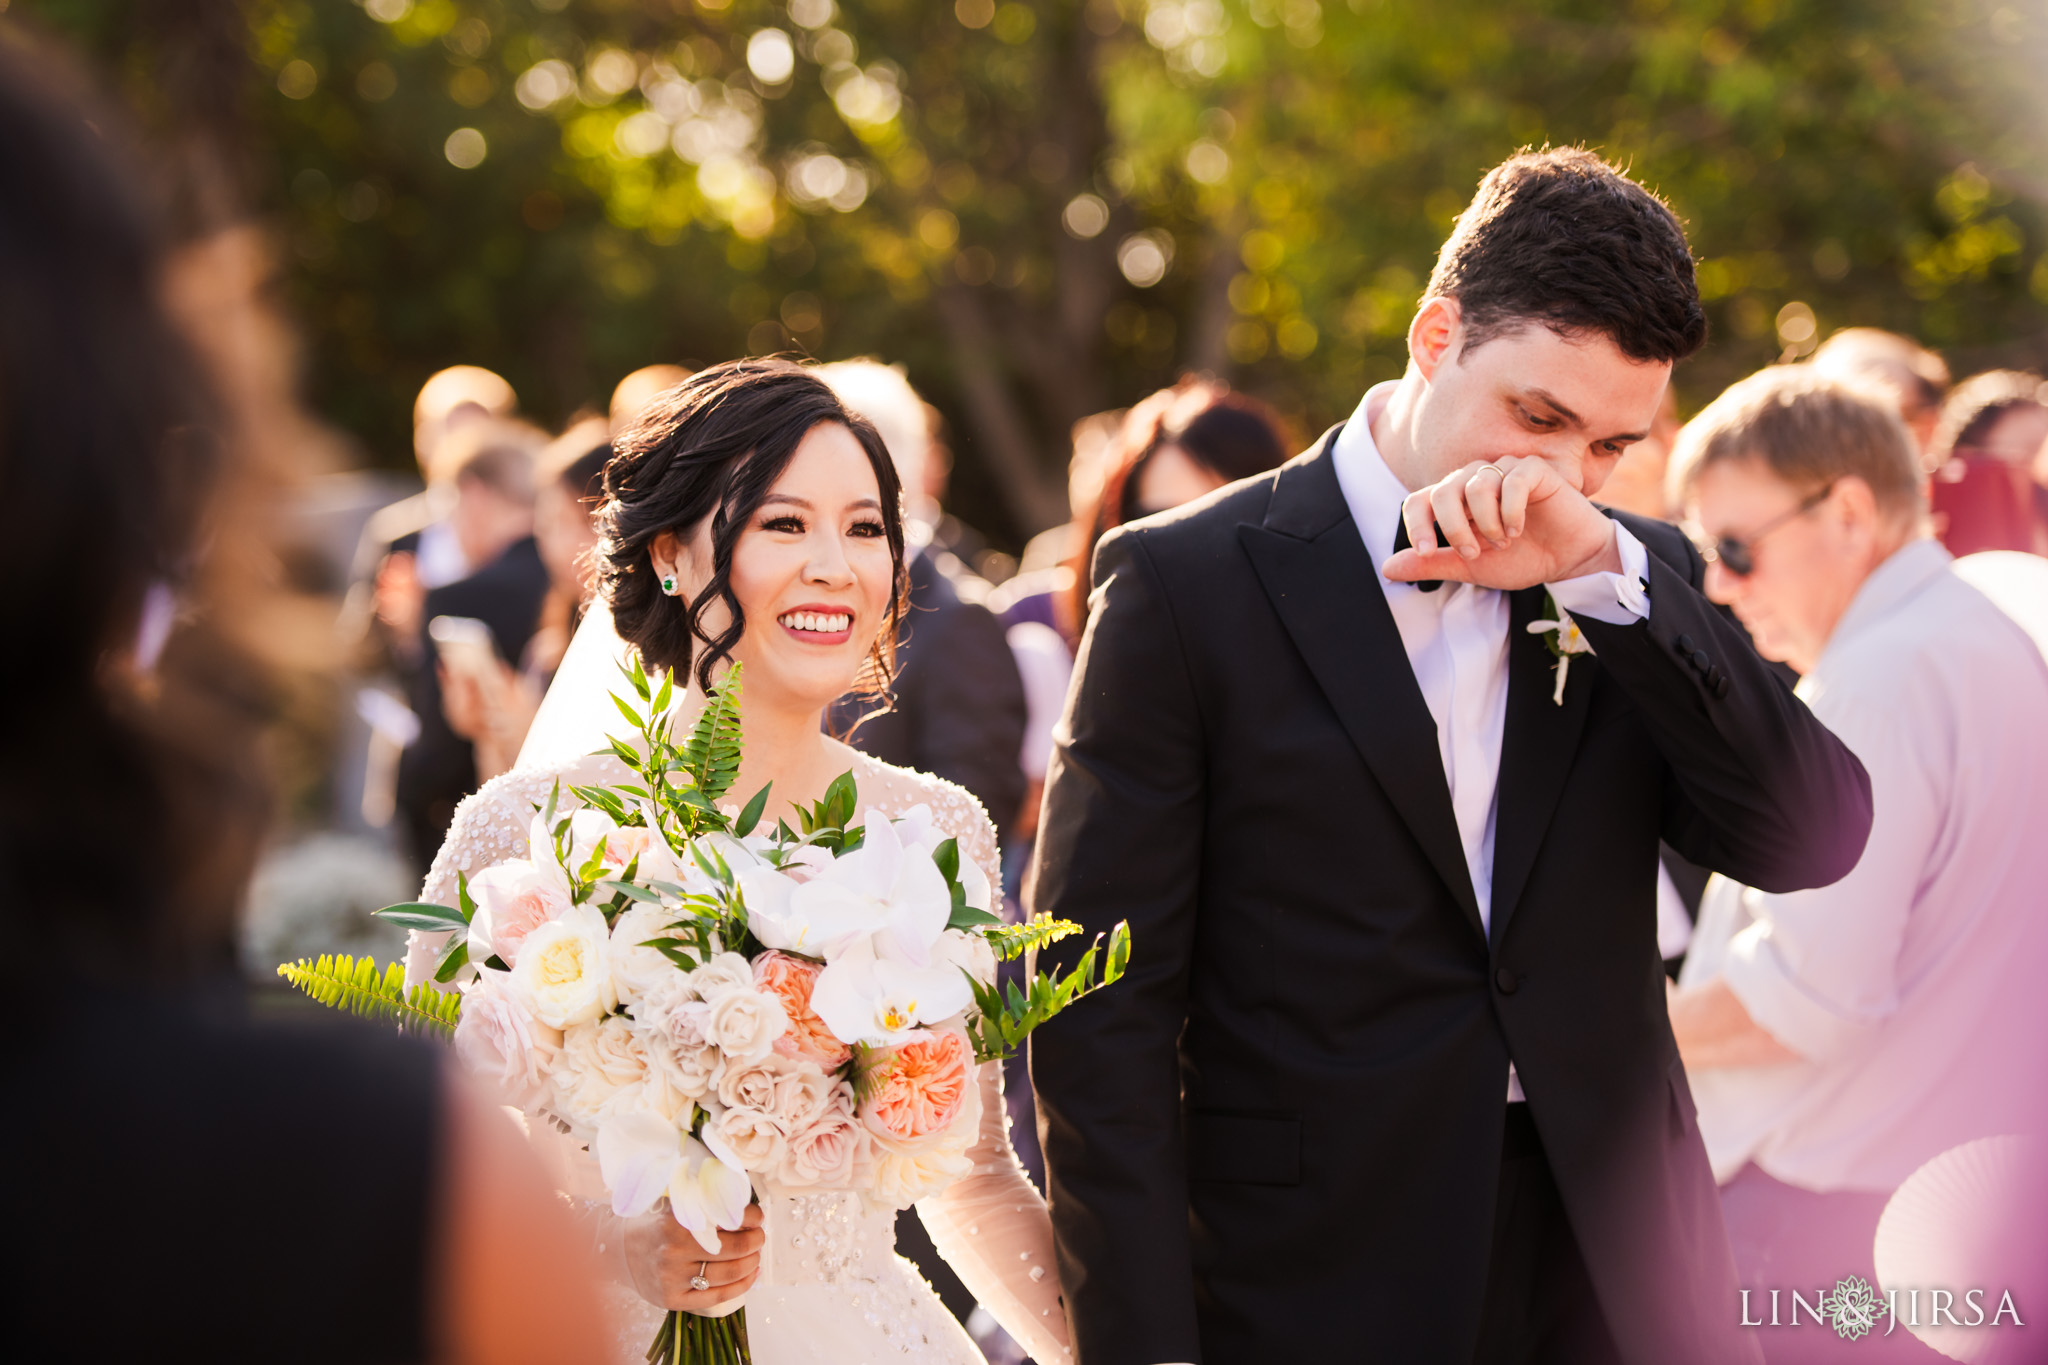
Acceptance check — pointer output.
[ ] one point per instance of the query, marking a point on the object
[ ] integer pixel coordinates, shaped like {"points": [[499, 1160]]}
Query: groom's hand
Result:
{"points": [[1511, 523]]}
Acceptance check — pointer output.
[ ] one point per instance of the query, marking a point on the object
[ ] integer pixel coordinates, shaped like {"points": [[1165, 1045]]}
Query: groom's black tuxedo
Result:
{"points": [[1278, 1139]]}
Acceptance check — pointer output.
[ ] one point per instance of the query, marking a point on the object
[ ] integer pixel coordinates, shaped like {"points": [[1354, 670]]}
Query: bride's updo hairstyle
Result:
{"points": [[713, 446]]}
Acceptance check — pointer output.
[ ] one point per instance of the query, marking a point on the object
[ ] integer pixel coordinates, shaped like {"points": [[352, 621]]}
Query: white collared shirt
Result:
{"points": [[1911, 987], [1457, 637]]}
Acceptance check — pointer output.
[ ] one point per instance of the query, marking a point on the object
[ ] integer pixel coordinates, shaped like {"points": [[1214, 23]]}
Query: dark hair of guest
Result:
{"points": [[1232, 435], [1561, 238], [713, 447]]}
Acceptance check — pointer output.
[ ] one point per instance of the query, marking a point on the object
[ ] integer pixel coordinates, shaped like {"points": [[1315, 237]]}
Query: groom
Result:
{"points": [[1391, 1077]]}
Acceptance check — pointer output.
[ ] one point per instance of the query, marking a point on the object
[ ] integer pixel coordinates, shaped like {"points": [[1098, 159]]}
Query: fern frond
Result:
{"points": [[712, 753], [1012, 941], [356, 985]]}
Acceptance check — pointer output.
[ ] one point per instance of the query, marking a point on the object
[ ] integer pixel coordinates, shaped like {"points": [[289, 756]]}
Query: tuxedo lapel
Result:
{"points": [[1322, 583], [1536, 751]]}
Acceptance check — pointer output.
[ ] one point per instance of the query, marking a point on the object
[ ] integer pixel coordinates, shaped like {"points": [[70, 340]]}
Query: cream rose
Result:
{"points": [[830, 1150], [724, 972], [745, 1023], [562, 977], [501, 1041], [636, 970], [755, 1139], [603, 1065], [751, 1085], [679, 1049], [902, 1178]]}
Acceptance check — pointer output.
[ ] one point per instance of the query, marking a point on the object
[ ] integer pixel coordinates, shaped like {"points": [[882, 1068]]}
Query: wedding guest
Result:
{"points": [[1037, 593], [198, 1181], [493, 709], [1174, 447], [638, 389], [1838, 1038], [411, 547], [1914, 378], [491, 466], [959, 710], [1982, 457]]}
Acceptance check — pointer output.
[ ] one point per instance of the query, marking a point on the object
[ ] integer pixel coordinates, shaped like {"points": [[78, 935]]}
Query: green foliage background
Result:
{"points": [[1875, 162]]}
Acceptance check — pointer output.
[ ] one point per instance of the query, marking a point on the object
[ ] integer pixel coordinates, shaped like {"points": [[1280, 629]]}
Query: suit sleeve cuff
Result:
{"points": [[1777, 1003], [1619, 599]]}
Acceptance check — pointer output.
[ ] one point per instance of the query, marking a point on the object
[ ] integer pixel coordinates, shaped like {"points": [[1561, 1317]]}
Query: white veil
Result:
{"points": [[577, 714]]}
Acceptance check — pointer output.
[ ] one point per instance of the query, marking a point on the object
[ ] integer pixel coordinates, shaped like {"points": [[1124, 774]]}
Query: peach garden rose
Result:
{"points": [[791, 980]]}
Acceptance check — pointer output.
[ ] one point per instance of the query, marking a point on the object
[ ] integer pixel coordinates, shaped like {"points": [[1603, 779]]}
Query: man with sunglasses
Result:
{"points": [[1837, 1039]]}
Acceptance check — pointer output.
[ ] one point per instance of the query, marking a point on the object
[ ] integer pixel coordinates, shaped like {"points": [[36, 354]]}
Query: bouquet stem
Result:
{"points": [[687, 1339]]}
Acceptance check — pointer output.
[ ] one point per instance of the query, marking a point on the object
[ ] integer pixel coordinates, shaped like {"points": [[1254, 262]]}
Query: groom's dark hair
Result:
{"points": [[1562, 239]]}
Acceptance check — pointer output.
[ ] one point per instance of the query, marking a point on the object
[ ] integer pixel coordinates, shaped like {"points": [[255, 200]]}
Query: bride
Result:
{"points": [[751, 518]]}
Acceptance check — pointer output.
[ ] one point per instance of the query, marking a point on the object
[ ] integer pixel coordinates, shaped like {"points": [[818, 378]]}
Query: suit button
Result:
{"points": [[1700, 660], [1721, 687], [1506, 980], [1684, 643], [1713, 679]]}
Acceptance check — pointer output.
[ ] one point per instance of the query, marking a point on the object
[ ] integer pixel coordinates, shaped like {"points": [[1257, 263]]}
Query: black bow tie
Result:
{"points": [[1401, 542]]}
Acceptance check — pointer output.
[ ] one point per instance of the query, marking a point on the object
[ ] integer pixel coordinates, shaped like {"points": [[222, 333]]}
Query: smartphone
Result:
{"points": [[464, 644]]}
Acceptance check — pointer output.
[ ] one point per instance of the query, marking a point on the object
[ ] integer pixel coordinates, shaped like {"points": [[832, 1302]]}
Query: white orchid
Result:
{"points": [[644, 1156], [879, 1001], [918, 826], [881, 891], [1566, 641]]}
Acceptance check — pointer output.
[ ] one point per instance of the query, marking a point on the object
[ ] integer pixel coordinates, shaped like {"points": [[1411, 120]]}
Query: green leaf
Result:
{"points": [[452, 960], [632, 716], [638, 676], [463, 900], [661, 698], [947, 856], [1012, 941], [420, 915], [750, 816], [966, 916], [547, 815], [630, 891]]}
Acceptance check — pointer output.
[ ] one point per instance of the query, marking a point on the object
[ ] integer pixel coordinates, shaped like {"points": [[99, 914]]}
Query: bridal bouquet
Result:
{"points": [[713, 1008]]}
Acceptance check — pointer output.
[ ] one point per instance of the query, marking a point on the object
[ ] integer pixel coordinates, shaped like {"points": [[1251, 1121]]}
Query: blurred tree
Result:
{"points": [[1048, 208]]}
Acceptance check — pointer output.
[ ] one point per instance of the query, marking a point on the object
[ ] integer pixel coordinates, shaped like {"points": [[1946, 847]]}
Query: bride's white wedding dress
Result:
{"points": [[832, 1290]]}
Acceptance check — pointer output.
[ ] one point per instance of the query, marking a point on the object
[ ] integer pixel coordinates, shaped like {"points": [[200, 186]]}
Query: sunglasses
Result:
{"points": [[1737, 554]]}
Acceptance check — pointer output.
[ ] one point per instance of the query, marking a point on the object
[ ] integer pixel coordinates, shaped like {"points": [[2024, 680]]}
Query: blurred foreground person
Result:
{"points": [[1838, 1038], [1913, 377], [1638, 482], [492, 704], [958, 710], [1991, 430], [195, 1183], [475, 624]]}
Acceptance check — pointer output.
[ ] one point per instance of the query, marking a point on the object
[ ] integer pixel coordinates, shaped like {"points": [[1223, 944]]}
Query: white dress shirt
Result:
{"points": [[1910, 988], [1457, 642]]}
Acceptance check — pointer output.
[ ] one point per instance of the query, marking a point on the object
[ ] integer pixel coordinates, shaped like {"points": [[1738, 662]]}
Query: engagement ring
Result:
{"points": [[697, 1281]]}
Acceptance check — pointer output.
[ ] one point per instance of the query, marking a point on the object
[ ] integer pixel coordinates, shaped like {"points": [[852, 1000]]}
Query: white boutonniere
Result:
{"points": [[1564, 639]]}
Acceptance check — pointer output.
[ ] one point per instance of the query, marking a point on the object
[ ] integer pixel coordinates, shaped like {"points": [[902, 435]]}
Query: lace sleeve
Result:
{"points": [[489, 827], [992, 1227]]}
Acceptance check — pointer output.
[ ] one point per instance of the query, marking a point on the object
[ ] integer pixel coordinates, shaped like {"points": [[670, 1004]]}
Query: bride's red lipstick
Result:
{"points": [[807, 623]]}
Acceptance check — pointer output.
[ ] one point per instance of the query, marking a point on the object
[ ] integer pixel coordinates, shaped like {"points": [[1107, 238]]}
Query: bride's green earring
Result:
{"points": [[668, 584]]}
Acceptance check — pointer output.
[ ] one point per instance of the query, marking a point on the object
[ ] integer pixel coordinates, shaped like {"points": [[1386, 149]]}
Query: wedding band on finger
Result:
{"points": [[1495, 468], [697, 1281]]}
